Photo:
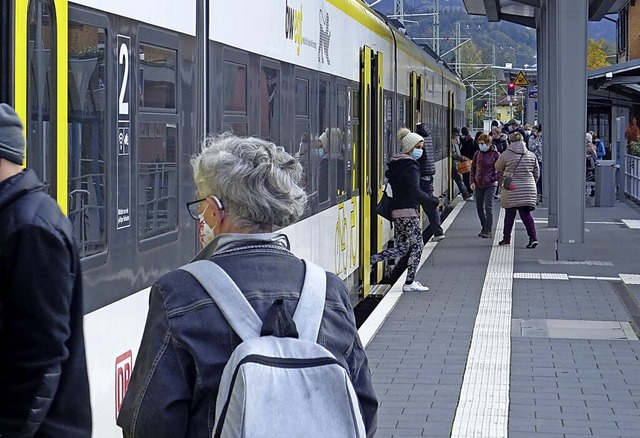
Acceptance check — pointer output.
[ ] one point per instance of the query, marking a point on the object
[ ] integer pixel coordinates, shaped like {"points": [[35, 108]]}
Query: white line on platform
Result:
{"points": [[373, 323], [483, 407], [631, 223]]}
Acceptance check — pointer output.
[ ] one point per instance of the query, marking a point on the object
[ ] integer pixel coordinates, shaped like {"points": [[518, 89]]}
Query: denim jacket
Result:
{"points": [[187, 342]]}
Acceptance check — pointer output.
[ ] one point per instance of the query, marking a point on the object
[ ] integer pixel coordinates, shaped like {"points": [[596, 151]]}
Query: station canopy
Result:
{"points": [[524, 11]]}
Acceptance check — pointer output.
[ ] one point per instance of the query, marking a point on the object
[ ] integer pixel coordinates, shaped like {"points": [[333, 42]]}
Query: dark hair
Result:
{"points": [[465, 130], [495, 123]]}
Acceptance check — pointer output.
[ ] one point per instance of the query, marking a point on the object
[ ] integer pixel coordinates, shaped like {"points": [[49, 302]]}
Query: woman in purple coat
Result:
{"points": [[484, 182]]}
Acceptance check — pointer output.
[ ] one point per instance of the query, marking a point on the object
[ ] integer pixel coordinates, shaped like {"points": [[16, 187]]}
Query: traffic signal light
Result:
{"points": [[511, 89]]}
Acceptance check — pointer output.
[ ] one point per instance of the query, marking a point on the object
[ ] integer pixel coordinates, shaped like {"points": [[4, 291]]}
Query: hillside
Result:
{"points": [[512, 43]]}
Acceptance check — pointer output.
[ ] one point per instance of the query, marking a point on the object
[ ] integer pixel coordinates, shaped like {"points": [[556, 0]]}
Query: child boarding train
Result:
{"points": [[117, 95]]}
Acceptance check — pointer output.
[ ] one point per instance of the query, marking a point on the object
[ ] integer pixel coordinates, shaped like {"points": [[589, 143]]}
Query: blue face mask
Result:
{"points": [[483, 147], [321, 153], [416, 153]]}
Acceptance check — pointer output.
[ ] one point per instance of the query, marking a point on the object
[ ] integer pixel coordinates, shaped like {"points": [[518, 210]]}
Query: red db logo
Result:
{"points": [[124, 365]]}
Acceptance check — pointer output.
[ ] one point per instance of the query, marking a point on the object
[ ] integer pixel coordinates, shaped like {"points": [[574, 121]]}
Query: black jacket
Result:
{"points": [[404, 176], [44, 388], [468, 147], [427, 160]]}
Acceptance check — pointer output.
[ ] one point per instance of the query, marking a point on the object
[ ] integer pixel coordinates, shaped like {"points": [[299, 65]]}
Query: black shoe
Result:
{"points": [[480, 233], [486, 234], [505, 242], [532, 243]]}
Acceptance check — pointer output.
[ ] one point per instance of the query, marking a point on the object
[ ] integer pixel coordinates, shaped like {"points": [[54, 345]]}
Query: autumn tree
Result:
{"points": [[596, 54]]}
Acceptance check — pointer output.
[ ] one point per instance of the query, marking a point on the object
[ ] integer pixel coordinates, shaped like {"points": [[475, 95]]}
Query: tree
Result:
{"points": [[596, 54]]}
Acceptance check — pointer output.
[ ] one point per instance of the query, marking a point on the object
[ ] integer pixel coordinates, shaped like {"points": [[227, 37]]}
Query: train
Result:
{"points": [[117, 96]]}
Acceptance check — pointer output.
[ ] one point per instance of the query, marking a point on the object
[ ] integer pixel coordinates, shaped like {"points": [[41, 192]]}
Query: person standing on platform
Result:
{"points": [[468, 148], [427, 171], [44, 387], [520, 196], [484, 182], [457, 157], [403, 174], [245, 187], [535, 146]]}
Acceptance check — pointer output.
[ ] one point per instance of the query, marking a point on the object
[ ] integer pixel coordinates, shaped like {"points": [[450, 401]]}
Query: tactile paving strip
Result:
{"points": [[483, 408]]}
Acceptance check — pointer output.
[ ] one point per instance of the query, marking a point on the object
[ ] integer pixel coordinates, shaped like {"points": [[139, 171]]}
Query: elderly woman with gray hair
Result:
{"points": [[521, 195], [245, 187]]}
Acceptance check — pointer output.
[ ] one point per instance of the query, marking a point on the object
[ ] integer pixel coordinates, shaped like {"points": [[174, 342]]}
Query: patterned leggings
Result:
{"points": [[408, 239]]}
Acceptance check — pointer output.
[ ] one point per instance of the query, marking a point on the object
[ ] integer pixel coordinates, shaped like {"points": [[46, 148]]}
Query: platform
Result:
{"points": [[509, 341]]}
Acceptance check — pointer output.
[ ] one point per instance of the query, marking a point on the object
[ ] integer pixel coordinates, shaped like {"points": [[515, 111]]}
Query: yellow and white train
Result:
{"points": [[116, 96]]}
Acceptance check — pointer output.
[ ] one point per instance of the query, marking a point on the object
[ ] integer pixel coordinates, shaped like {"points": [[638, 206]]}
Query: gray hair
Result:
{"points": [[516, 136], [258, 182]]}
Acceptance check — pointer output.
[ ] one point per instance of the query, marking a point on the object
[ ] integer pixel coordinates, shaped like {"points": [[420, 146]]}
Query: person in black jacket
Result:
{"points": [[427, 171], [404, 176], [44, 388], [468, 148]]}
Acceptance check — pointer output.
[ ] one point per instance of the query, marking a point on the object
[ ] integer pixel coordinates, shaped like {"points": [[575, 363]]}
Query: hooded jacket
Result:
{"points": [[404, 176], [44, 388], [525, 174], [483, 171]]}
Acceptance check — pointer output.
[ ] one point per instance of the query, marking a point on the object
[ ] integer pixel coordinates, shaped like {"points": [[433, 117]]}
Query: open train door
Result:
{"points": [[447, 137], [371, 165]]}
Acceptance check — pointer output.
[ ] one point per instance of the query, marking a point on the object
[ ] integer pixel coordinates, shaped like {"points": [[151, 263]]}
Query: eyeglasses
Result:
{"points": [[192, 206]]}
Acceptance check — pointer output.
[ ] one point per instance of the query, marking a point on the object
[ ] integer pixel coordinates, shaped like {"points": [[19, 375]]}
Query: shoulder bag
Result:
{"points": [[505, 179]]}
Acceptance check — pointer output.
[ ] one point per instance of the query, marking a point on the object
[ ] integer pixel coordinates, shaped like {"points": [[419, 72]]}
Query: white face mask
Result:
{"points": [[207, 234], [527, 132]]}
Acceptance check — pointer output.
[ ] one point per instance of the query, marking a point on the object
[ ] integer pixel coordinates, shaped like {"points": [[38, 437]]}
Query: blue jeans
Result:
{"points": [[432, 212], [484, 205]]}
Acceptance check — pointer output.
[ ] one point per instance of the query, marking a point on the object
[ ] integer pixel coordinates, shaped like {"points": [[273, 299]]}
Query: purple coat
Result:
{"points": [[483, 170]]}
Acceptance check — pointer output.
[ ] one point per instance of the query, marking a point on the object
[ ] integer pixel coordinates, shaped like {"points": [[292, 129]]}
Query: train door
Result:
{"points": [[40, 87], [371, 126]]}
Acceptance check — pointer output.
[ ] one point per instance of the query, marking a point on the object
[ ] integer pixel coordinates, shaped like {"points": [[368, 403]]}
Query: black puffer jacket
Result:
{"points": [[427, 160], [404, 176], [44, 388]]}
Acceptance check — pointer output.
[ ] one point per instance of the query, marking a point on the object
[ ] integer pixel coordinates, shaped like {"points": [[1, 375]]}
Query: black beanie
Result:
{"points": [[11, 138]]}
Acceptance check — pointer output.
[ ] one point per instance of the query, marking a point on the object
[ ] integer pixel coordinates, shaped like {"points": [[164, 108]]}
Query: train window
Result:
{"points": [[343, 147], [388, 130], [304, 155], [324, 140], [87, 137], [355, 140], [401, 104], [235, 88], [41, 119], [157, 81], [269, 93], [302, 97], [157, 179]]}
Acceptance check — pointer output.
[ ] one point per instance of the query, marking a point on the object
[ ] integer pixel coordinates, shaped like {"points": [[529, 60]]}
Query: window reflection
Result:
{"points": [[87, 143], [235, 88], [157, 179], [41, 118], [157, 81], [270, 104]]}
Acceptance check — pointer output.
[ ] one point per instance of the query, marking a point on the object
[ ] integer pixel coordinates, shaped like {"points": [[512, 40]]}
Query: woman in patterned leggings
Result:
{"points": [[403, 174]]}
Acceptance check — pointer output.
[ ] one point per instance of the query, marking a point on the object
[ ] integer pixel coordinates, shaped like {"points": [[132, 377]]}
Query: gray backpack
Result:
{"points": [[280, 386]]}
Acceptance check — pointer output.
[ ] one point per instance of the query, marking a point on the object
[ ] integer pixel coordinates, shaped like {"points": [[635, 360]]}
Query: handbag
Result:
{"points": [[464, 167], [384, 206], [505, 179]]}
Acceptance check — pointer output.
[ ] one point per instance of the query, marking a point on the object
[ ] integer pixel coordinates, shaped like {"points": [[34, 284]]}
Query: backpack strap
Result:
{"points": [[308, 314], [229, 299]]}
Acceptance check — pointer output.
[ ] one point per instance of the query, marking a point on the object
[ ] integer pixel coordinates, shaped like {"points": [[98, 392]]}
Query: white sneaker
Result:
{"points": [[414, 287], [438, 237]]}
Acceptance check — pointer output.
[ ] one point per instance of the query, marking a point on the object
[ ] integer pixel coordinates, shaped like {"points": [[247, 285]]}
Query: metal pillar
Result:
{"points": [[543, 102], [568, 62], [398, 10], [436, 28], [551, 128]]}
